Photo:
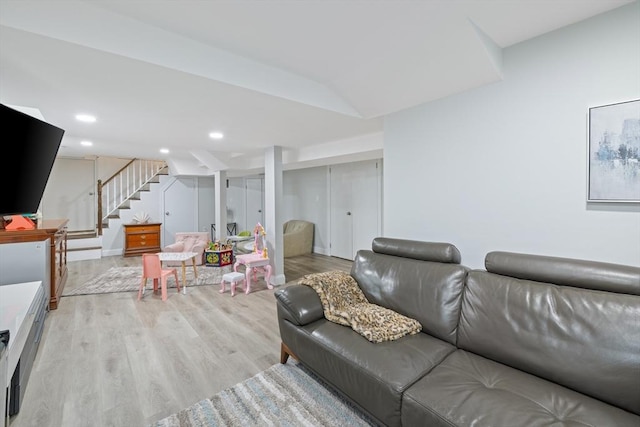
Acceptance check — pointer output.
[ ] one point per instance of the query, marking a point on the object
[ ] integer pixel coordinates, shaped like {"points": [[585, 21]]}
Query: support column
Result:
{"points": [[220, 183], [272, 215]]}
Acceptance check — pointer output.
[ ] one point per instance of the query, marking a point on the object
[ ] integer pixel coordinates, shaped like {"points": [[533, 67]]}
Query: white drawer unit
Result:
{"points": [[23, 311]]}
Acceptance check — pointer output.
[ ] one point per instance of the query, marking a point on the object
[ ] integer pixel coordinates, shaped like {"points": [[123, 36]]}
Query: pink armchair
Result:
{"points": [[196, 241]]}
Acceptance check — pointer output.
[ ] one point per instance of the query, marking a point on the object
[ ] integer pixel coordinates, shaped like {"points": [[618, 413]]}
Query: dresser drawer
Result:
{"points": [[143, 229], [143, 240]]}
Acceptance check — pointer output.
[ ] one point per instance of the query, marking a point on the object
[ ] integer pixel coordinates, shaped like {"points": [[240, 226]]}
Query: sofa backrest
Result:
{"points": [[573, 322], [421, 280]]}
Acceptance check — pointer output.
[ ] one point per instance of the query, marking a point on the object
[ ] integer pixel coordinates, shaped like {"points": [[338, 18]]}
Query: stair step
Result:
{"points": [[84, 253], [82, 249], [136, 195], [81, 234]]}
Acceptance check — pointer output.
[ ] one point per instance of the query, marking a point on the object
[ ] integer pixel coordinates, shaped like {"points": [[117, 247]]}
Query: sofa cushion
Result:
{"points": [[430, 292], [560, 333], [373, 375], [469, 390]]}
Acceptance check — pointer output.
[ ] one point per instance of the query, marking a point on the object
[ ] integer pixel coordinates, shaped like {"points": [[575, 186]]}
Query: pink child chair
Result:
{"points": [[152, 269]]}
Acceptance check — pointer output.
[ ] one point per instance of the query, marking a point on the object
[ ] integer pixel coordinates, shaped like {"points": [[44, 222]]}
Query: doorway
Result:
{"points": [[180, 208], [355, 207], [254, 202]]}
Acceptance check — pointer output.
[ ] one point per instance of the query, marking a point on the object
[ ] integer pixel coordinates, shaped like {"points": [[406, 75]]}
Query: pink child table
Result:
{"points": [[254, 263]]}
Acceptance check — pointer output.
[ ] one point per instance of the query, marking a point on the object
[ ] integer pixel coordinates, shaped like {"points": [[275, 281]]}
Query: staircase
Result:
{"points": [[117, 192], [114, 196]]}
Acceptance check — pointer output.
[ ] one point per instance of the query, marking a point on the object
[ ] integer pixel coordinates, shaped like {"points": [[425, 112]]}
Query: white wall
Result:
{"points": [[504, 167], [107, 166], [206, 203], [305, 196], [236, 204]]}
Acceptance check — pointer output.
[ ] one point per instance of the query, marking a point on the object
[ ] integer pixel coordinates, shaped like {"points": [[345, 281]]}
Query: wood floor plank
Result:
{"points": [[114, 371], [111, 360], [149, 373], [82, 406]]}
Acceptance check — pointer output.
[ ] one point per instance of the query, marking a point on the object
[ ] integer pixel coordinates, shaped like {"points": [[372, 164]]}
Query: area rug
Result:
{"points": [[127, 279], [283, 395]]}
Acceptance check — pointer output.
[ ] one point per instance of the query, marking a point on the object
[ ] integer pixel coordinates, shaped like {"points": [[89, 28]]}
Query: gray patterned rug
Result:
{"points": [[127, 279], [283, 395]]}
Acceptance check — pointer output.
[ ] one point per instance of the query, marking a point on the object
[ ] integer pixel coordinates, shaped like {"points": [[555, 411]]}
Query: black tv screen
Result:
{"points": [[29, 148]]}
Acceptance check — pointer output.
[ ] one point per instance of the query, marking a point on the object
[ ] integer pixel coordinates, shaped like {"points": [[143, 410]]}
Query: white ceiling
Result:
{"points": [[313, 76]]}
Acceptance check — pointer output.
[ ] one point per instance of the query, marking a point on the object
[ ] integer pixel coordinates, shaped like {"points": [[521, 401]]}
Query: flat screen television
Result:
{"points": [[29, 148]]}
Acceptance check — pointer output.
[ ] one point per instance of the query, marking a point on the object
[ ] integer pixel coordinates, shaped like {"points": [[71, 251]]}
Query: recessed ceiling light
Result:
{"points": [[86, 143], [87, 118], [164, 150], [216, 135]]}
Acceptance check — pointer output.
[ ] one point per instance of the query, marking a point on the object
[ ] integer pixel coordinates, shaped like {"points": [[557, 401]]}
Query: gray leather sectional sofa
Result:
{"points": [[530, 341]]}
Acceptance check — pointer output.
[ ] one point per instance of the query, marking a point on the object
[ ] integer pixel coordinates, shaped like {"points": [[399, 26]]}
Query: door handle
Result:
{"points": [[349, 213], [167, 213]]}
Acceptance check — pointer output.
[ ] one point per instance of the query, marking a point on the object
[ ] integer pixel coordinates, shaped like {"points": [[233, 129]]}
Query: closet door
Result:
{"points": [[180, 208], [355, 207], [341, 215], [255, 202], [366, 200]]}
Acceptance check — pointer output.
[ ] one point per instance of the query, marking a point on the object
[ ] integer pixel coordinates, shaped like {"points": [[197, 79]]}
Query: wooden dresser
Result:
{"points": [[54, 231], [141, 238]]}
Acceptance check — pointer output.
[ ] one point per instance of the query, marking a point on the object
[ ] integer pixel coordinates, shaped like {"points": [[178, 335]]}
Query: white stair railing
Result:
{"points": [[116, 191]]}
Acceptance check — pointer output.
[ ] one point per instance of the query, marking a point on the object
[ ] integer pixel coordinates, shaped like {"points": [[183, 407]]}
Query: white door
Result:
{"points": [[341, 244], [366, 204], [180, 208], [70, 193], [356, 207], [255, 202]]}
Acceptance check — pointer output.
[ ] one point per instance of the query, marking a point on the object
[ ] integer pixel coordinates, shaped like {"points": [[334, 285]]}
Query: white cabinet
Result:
{"points": [[22, 312]]}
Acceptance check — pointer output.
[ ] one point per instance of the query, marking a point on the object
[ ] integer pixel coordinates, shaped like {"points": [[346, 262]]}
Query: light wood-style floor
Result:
{"points": [[110, 360]]}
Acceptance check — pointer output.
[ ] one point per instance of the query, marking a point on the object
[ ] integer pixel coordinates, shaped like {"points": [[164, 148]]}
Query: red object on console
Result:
{"points": [[18, 222]]}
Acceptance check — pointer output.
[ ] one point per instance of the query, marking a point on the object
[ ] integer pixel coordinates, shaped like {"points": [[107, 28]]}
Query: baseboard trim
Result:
{"points": [[278, 279], [112, 252], [321, 251]]}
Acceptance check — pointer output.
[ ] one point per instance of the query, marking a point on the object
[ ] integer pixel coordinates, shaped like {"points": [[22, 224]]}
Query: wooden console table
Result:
{"points": [[55, 232]]}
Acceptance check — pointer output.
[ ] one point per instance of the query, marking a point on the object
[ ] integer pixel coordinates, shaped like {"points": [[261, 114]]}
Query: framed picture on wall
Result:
{"points": [[614, 153]]}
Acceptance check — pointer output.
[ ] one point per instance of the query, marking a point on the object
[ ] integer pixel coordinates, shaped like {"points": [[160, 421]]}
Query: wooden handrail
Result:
{"points": [[99, 207], [112, 177]]}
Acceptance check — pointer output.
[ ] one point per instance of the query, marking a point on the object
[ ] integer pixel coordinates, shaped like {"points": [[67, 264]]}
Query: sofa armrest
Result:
{"points": [[174, 247], [300, 304]]}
